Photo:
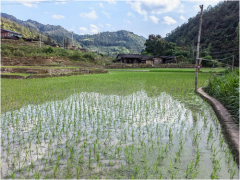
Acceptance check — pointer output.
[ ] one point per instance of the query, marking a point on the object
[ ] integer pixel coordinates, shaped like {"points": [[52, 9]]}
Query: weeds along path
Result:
{"points": [[117, 125]]}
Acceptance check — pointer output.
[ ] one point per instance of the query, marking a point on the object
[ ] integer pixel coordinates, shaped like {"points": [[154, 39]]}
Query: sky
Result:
{"points": [[142, 17]]}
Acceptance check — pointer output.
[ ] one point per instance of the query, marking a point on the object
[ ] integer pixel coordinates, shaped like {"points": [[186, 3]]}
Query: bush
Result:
{"points": [[76, 56], [21, 40], [6, 53], [226, 89], [89, 56], [48, 50], [18, 53]]}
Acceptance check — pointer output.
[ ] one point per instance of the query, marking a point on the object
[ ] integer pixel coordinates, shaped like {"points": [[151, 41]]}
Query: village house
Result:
{"points": [[10, 34], [144, 59]]}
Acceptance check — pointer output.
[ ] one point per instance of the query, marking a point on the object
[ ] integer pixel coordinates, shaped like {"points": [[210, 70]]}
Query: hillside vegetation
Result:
{"points": [[219, 31], [113, 43], [17, 49], [107, 43], [26, 32]]}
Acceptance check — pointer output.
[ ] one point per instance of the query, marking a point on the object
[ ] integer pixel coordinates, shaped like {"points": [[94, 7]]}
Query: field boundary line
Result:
{"points": [[229, 127]]}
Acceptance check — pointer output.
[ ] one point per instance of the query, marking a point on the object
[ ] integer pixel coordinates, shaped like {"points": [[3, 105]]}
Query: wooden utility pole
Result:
{"points": [[40, 41], [198, 44], [63, 42], [72, 39], [232, 62]]}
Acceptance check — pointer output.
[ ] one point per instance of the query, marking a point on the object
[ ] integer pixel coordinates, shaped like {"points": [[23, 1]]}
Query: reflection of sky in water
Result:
{"points": [[109, 120], [138, 107]]}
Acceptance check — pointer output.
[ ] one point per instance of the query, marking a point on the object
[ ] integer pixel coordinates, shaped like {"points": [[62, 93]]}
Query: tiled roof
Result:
{"points": [[10, 31]]}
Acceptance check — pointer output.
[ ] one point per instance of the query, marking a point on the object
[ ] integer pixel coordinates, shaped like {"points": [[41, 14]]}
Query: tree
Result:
{"points": [[49, 40], [155, 45]]}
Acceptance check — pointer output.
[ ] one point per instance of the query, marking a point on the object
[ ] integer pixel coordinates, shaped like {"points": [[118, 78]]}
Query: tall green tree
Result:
{"points": [[155, 45]]}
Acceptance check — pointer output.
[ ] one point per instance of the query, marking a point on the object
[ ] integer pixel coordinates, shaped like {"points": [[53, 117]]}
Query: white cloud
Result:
{"points": [[108, 25], [94, 29], [60, 2], [153, 6], [154, 19], [111, 1], [145, 18], [90, 15], [130, 14], [58, 16], [127, 21], [101, 5], [104, 12], [29, 4], [137, 6], [83, 30], [100, 25], [181, 8], [182, 17], [168, 20]]}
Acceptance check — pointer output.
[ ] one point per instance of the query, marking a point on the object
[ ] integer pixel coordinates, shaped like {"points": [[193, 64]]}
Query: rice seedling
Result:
{"points": [[122, 132]]}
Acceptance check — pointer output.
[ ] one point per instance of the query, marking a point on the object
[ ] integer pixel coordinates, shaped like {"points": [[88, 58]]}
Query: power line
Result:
{"points": [[225, 58], [224, 51], [215, 61]]}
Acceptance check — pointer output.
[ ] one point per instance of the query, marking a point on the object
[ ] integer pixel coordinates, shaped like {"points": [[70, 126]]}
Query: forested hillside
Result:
{"points": [[219, 31], [26, 32], [113, 43], [108, 43]]}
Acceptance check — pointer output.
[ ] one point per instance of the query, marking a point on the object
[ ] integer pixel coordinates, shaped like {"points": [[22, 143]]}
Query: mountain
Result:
{"points": [[109, 43], [26, 32], [113, 43], [219, 30]]}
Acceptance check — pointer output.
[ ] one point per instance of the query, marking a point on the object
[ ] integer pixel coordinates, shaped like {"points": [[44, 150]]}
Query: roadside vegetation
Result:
{"points": [[226, 89]]}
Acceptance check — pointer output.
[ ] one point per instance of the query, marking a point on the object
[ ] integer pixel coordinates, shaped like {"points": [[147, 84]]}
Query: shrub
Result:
{"points": [[89, 56], [6, 53], [18, 53], [48, 50], [226, 89], [76, 56], [21, 40]]}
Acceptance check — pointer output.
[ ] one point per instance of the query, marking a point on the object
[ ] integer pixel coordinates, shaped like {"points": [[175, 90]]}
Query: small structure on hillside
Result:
{"points": [[10, 34], [132, 58], [83, 49], [144, 59]]}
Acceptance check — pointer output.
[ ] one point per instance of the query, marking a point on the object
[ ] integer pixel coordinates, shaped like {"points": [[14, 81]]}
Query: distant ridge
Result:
{"points": [[109, 43]]}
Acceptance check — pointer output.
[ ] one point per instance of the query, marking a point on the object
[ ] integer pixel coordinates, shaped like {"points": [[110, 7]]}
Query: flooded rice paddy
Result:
{"points": [[92, 135]]}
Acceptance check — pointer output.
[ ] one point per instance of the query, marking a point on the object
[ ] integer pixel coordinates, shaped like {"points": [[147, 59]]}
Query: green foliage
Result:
{"points": [[226, 89], [113, 43], [21, 40], [18, 53], [26, 32], [182, 58], [218, 29], [24, 50], [155, 45], [48, 50]]}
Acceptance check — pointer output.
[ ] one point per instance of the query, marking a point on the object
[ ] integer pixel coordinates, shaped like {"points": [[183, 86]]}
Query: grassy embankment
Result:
{"points": [[20, 49], [16, 93], [226, 89], [218, 70]]}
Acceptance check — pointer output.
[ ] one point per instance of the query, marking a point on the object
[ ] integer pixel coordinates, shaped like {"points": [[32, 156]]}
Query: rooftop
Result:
{"points": [[10, 31]]}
